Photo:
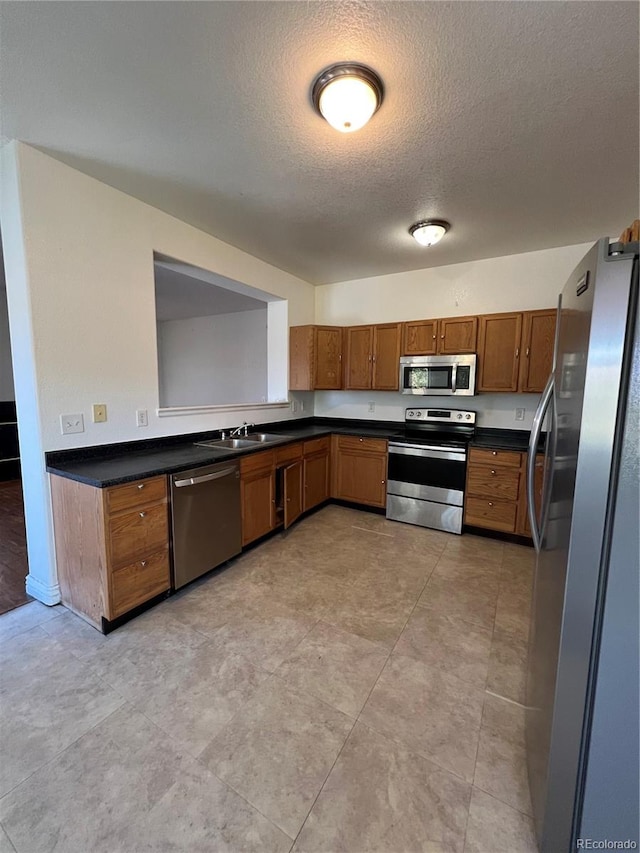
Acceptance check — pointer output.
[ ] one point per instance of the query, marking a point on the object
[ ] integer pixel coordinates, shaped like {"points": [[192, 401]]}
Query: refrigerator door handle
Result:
{"points": [[534, 438]]}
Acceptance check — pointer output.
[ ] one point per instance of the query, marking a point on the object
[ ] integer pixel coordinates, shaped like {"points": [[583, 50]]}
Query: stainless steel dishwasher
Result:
{"points": [[205, 519]]}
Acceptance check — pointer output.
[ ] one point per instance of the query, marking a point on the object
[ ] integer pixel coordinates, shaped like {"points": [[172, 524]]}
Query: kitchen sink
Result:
{"points": [[266, 437], [243, 443]]}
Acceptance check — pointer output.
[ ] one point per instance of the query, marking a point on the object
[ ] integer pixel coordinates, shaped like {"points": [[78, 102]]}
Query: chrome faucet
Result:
{"points": [[245, 426]]}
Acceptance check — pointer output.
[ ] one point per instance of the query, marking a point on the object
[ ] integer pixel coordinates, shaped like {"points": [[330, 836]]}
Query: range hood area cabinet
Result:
{"points": [[372, 357], [449, 336]]}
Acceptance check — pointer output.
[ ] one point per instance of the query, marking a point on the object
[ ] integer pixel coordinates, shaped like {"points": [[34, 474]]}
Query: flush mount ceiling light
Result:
{"points": [[347, 95], [429, 232]]}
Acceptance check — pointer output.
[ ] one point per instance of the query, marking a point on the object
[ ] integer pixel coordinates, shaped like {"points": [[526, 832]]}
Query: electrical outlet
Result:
{"points": [[71, 423], [142, 418], [372, 407], [99, 413], [302, 405], [520, 414], [294, 406]]}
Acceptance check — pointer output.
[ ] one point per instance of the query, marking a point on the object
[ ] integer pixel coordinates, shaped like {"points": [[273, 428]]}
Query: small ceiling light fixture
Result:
{"points": [[347, 95], [429, 232]]}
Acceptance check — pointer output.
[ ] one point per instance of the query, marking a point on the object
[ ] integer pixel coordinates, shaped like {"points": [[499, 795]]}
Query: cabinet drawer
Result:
{"points": [[494, 514], [290, 453], [371, 445], [317, 445], [495, 457], [131, 494], [502, 483], [257, 462], [137, 582], [137, 533]]}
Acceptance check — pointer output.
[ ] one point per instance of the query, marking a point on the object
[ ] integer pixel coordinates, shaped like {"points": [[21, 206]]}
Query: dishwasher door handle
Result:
{"points": [[217, 475]]}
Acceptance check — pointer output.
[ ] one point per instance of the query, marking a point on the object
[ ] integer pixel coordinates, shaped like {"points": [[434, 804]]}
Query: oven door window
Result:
{"points": [[434, 378], [427, 470]]}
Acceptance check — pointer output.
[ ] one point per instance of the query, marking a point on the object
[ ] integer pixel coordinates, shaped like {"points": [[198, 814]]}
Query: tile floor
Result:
{"points": [[352, 685]]}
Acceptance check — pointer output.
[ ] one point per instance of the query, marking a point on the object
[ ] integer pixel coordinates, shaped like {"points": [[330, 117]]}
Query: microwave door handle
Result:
{"points": [[454, 368]]}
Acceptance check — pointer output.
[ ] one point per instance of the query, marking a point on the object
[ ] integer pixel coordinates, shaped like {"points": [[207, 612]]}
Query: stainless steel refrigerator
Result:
{"points": [[582, 684]]}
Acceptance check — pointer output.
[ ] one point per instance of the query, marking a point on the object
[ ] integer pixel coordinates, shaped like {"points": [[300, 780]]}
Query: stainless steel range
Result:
{"points": [[427, 468]]}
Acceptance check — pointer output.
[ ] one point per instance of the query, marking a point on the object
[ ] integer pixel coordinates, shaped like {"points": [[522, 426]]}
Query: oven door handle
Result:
{"points": [[428, 452]]}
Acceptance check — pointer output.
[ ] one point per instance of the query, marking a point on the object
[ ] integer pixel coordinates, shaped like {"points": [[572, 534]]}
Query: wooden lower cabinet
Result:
{"points": [[257, 495], [293, 492], [496, 493], [112, 546], [317, 456], [360, 470]]}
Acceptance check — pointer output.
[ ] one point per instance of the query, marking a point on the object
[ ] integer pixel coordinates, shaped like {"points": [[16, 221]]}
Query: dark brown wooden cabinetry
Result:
{"points": [[448, 336], [112, 546], [317, 458], [315, 358], [359, 470], [499, 352], [372, 357], [258, 495], [536, 350]]}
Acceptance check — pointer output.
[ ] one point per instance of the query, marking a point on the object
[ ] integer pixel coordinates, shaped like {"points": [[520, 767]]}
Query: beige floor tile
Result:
{"points": [[476, 571], [48, 699], [377, 616], [494, 827], [190, 698], [448, 643], [505, 719], [277, 752], [75, 635], [338, 667], [26, 617], [382, 797], [513, 613], [501, 769], [508, 666], [429, 711], [100, 793], [472, 601], [475, 546]]}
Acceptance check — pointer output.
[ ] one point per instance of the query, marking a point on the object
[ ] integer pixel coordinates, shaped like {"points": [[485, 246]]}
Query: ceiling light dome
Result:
{"points": [[347, 95], [430, 231]]}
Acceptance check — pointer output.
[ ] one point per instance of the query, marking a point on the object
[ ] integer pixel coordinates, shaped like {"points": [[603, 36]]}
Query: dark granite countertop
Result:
{"points": [[111, 465]]}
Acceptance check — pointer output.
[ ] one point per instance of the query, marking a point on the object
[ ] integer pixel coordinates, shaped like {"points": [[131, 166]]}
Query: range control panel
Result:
{"points": [[443, 416]]}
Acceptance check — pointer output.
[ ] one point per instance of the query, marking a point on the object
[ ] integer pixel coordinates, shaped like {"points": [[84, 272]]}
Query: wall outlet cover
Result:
{"points": [[520, 414], [99, 413], [72, 423], [142, 418], [372, 407], [294, 406]]}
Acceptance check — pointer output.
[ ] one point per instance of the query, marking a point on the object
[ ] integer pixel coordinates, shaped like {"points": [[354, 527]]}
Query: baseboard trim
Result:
{"points": [[46, 593]]}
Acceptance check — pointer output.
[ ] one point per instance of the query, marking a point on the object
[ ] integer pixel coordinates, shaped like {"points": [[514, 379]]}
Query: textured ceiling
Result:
{"points": [[517, 121]]}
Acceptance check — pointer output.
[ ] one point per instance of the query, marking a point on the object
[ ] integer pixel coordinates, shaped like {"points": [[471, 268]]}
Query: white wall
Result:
{"points": [[514, 283], [210, 360], [80, 287], [6, 367]]}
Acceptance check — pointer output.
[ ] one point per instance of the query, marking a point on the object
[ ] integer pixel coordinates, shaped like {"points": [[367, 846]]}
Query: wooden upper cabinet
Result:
{"points": [[315, 358], [359, 355], [457, 335], [420, 337], [386, 357], [450, 336], [499, 352], [536, 351]]}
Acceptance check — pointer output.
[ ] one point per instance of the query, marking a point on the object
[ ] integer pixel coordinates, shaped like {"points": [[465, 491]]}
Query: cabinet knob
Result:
{"points": [[493, 473], [141, 485], [494, 452], [142, 514], [490, 503], [383, 482], [526, 352], [517, 352], [143, 563], [441, 337], [288, 500], [434, 337], [362, 439]]}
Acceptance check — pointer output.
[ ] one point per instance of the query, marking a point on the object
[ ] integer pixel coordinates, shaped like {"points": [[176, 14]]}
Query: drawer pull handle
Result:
{"points": [[141, 485], [490, 503], [142, 514], [494, 452], [493, 473], [143, 563]]}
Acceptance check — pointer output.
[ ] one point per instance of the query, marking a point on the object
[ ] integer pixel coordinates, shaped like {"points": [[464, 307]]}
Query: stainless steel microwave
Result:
{"points": [[438, 375]]}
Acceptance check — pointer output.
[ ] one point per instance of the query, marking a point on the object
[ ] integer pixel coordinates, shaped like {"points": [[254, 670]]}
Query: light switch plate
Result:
{"points": [[99, 413], [142, 418], [372, 407], [71, 423], [519, 414]]}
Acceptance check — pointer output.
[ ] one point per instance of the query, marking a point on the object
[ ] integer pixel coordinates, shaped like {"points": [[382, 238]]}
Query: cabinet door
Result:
{"points": [[457, 335], [258, 505], [316, 480], [420, 337], [499, 351], [292, 493], [386, 357], [328, 358], [362, 478], [538, 337], [359, 343], [524, 528]]}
